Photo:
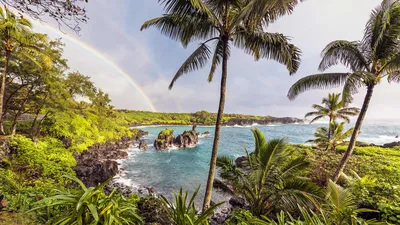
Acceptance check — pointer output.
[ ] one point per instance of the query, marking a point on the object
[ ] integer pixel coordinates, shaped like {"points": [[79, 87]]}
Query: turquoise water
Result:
{"points": [[167, 171]]}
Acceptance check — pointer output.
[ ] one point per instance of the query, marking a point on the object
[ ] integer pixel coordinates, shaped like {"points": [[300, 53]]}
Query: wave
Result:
{"points": [[379, 140]]}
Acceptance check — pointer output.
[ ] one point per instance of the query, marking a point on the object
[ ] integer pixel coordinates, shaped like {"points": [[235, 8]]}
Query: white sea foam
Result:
{"points": [[379, 140]]}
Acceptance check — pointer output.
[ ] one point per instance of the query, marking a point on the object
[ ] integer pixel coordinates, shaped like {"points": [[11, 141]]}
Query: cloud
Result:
{"points": [[253, 87]]}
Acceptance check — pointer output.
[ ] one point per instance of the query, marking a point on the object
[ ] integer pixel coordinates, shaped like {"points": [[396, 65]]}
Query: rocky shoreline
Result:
{"points": [[99, 163], [233, 122]]}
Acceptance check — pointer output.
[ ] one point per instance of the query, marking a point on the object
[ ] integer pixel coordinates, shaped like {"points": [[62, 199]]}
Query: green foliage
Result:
{"points": [[333, 108], [40, 164], [152, 210], [380, 192], [241, 217], [336, 138], [88, 206], [200, 117], [184, 212], [271, 182]]}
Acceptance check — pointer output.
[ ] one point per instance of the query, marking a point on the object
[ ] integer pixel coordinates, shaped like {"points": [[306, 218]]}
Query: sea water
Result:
{"points": [[168, 171]]}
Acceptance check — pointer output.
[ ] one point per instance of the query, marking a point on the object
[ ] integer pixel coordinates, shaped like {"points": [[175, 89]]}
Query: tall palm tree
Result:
{"points": [[333, 108], [371, 60], [16, 38], [270, 182], [225, 23]]}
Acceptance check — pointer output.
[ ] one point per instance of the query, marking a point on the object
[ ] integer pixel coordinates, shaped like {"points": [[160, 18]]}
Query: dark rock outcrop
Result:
{"points": [[142, 145], [165, 140], [187, 139], [97, 164], [392, 145], [237, 202], [5, 151], [241, 161]]}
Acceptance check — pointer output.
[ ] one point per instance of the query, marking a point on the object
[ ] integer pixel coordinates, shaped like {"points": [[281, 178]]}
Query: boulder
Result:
{"points": [[187, 139], [241, 161], [142, 145], [97, 172], [392, 145], [203, 135], [142, 133], [237, 202], [165, 140]]}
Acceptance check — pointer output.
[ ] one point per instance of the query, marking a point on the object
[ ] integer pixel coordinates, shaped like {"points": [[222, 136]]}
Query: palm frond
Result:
{"points": [[217, 58], [317, 81], [269, 46], [345, 52], [183, 28], [196, 60]]}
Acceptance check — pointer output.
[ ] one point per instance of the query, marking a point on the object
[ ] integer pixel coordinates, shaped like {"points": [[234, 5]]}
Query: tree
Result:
{"points": [[332, 108], [225, 23], [65, 12], [330, 140], [17, 39], [371, 60], [270, 182]]}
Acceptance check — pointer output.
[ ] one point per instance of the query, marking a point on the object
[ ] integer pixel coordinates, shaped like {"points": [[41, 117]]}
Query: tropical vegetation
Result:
{"points": [[369, 61], [270, 182], [50, 113], [236, 23]]}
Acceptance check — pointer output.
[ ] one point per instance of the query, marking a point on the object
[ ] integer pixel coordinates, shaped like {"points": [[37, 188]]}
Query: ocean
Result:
{"points": [[168, 171]]}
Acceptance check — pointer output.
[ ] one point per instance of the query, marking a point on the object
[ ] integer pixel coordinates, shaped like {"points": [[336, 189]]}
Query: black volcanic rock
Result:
{"points": [[187, 139], [142, 145], [392, 145], [165, 140]]}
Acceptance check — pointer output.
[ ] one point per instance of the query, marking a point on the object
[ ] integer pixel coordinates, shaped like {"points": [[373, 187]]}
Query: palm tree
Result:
{"points": [[330, 140], [270, 182], [225, 23], [371, 60], [332, 108], [16, 38]]}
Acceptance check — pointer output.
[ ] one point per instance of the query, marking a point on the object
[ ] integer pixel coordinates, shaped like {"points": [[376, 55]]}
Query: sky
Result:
{"points": [[135, 67]]}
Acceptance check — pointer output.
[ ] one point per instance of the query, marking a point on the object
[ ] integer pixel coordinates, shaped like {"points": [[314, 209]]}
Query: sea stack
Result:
{"points": [[165, 140]]}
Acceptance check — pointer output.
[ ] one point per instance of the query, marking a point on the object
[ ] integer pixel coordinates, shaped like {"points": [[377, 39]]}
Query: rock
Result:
{"points": [[225, 211], [142, 133], [241, 161], [165, 140], [187, 139], [97, 164], [152, 211], [122, 189], [397, 136], [237, 202], [391, 145], [203, 135], [142, 145], [151, 190], [219, 218], [97, 172]]}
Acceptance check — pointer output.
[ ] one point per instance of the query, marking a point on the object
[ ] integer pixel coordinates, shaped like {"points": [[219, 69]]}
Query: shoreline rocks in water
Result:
{"points": [[165, 139], [98, 163]]}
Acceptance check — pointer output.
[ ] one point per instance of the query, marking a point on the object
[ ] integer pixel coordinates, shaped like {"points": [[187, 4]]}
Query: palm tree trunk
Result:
{"points": [[213, 162], [329, 132], [356, 131], [2, 90]]}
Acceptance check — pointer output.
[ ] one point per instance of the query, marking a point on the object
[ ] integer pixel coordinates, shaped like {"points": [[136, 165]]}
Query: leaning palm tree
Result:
{"points": [[270, 181], [369, 61], [16, 38], [330, 140], [225, 23]]}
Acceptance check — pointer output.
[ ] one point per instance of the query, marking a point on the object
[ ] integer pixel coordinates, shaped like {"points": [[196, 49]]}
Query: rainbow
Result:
{"points": [[100, 56]]}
